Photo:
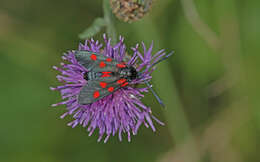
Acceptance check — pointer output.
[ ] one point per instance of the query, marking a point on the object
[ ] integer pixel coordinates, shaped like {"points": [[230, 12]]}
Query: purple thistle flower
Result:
{"points": [[120, 112]]}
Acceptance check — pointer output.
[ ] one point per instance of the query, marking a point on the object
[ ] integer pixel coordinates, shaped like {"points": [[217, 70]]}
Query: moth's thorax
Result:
{"points": [[129, 73]]}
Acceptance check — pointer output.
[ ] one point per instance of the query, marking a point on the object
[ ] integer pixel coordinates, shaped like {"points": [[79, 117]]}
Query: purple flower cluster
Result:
{"points": [[119, 112]]}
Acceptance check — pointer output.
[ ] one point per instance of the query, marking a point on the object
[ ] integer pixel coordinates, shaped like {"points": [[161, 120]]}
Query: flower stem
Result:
{"points": [[108, 16]]}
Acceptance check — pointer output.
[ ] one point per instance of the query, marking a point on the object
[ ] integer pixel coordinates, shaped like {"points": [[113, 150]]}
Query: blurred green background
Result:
{"points": [[210, 86]]}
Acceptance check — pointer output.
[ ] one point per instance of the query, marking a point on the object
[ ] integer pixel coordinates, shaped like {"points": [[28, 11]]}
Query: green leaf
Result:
{"points": [[93, 29]]}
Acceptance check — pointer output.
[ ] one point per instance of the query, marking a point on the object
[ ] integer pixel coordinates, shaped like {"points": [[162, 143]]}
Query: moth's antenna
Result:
{"points": [[156, 96], [162, 59], [159, 61], [147, 83]]}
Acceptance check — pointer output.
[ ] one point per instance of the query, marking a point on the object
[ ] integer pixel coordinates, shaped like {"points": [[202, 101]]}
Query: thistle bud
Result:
{"points": [[130, 10]]}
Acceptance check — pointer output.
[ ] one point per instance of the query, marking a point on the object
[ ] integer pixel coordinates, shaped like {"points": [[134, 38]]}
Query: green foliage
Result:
{"points": [[94, 28]]}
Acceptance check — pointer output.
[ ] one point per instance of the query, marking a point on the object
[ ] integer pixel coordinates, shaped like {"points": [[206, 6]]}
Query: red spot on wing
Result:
{"points": [[111, 89], [102, 64], [106, 74], [103, 84], [93, 57], [96, 94], [121, 65], [108, 59], [120, 81], [124, 84]]}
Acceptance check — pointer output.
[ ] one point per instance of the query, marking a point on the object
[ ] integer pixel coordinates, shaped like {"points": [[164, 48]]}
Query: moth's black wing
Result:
{"points": [[96, 62], [88, 92], [83, 58]]}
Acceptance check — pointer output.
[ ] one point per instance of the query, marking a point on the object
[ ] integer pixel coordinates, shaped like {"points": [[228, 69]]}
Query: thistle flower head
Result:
{"points": [[130, 10], [121, 111]]}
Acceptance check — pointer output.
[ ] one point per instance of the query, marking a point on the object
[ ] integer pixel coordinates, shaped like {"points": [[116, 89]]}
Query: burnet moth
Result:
{"points": [[105, 75]]}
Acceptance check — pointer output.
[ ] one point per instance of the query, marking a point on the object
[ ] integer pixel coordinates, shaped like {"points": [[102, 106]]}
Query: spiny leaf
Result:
{"points": [[95, 27]]}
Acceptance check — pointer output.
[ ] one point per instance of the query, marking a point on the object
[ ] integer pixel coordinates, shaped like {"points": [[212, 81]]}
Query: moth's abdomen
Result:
{"points": [[86, 76]]}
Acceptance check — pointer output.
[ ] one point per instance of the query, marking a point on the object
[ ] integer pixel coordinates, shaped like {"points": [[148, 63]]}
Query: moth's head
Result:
{"points": [[133, 73], [129, 73]]}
